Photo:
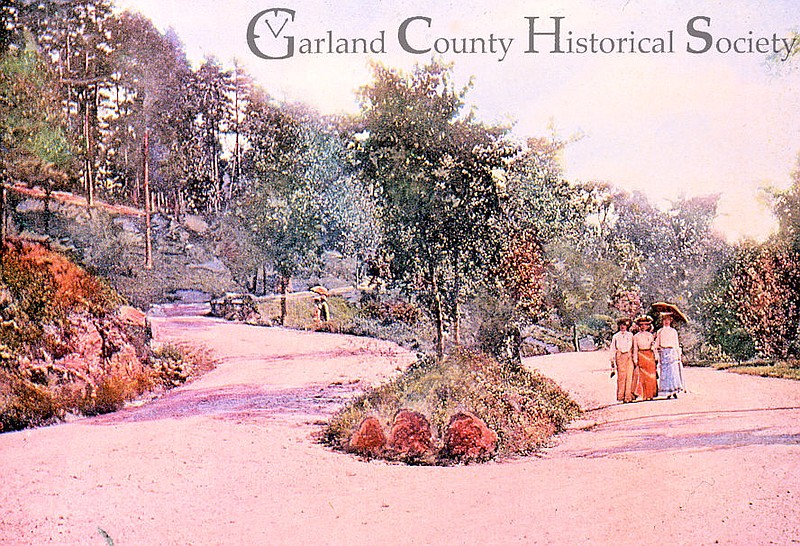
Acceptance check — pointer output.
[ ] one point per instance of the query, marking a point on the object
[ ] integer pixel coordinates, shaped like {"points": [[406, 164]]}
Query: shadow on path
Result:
{"points": [[237, 402], [711, 441]]}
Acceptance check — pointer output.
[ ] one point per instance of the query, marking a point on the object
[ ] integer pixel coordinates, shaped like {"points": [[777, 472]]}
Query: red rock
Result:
{"points": [[369, 439], [411, 434], [469, 438]]}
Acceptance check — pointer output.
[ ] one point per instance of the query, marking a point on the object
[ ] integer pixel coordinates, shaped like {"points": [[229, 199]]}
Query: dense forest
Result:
{"points": [[475, 226]]}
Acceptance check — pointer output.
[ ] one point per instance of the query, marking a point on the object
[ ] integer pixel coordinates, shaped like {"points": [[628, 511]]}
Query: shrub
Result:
{"points": [[523, 407], [173, 365], [112, 391], [25, 404]]}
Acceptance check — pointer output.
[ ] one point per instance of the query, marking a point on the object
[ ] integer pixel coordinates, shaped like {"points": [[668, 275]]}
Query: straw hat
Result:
{"points": [[644, 319]]}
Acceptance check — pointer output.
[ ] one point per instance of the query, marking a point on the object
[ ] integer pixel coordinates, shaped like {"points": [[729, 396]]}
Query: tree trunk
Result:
{"points": [[438, 317], [510, 354], [457, 303], [254, 284], [284, 285], [2, 214], [47, 194], [3, 227], [148, 244], [575, 343]]}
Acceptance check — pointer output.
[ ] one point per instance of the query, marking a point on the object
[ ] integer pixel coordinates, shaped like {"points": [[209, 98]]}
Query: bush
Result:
{"points": [[26, 404], [112, 391], [523, 407], [174, 365]]}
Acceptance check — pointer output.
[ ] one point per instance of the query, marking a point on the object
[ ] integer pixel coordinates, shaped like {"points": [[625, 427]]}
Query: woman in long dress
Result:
{"points": [[668, 349], [644, 359], [622, 360]]}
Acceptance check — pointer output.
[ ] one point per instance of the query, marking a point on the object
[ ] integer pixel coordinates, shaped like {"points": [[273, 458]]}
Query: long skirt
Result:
{"points": [[671, 379], [646, 384], [624, 376]]}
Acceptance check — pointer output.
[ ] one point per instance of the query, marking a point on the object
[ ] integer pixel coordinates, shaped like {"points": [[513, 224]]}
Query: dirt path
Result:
{"points": [[231, 459]]}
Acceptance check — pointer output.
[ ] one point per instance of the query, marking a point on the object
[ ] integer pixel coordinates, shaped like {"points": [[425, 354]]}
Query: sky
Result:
{"points": [[672, 124]]}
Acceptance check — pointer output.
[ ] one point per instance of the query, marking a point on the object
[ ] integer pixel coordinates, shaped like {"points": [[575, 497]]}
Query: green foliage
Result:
{"points": [[292, 158], [765, 290], [31, 124], [718, 306], [434, 174], [351, 219]]}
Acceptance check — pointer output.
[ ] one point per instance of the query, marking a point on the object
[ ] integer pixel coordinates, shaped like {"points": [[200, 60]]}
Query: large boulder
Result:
{"points": [[369, 439], [410, 436], [468, 438]]}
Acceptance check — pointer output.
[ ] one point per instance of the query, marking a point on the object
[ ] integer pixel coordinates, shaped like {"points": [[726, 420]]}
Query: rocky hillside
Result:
{"points": [[189, 255], [68, 345]]}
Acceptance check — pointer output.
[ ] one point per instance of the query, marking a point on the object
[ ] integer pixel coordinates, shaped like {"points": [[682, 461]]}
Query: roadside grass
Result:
{"points": [[522, 406], [782, 369], [392, 321]]}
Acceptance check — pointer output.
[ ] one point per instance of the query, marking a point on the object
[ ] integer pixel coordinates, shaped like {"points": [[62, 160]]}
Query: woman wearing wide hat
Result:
{"points": [[644, 359], [321, 302], [668, 348], [622, 360]]}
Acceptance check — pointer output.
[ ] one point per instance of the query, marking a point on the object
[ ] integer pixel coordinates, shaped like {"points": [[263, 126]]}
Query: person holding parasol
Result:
{"points": [[667, 347], [321, 302]]}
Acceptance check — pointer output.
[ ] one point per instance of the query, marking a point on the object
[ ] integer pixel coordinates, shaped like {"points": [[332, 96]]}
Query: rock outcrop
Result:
{"points": [[368, 439], [410, 436], [468, 438]]}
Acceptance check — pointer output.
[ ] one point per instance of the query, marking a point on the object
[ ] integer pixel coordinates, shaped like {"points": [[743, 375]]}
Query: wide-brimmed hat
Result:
{"points": [[644, 319], [321, 290]]}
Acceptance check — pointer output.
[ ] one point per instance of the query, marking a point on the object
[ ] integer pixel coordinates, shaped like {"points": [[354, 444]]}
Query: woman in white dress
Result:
{"points": [[668, 349]]}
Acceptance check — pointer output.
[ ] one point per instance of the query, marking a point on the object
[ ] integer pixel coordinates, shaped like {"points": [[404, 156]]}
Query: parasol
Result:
{"points": [[321, 290], [666, 307]]}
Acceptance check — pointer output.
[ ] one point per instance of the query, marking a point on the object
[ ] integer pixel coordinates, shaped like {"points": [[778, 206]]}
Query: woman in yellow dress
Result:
{"points": [[644, 360]]}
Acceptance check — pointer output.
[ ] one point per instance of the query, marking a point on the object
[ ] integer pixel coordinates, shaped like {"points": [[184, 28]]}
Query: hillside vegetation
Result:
{"points": [[68, 344]]}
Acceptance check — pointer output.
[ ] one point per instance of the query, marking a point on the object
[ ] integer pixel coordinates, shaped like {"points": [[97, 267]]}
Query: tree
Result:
{"points": [[209, 94], [764, 285], [72, 34], [433, 169], [151, 78], [719, 306], [292, 156], [35, 149], [242, 88], [765, 291], [352, 223]]}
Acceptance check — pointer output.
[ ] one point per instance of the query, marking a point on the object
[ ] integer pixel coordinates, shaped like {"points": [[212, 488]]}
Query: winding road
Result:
{"points": [[232, 458]]}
